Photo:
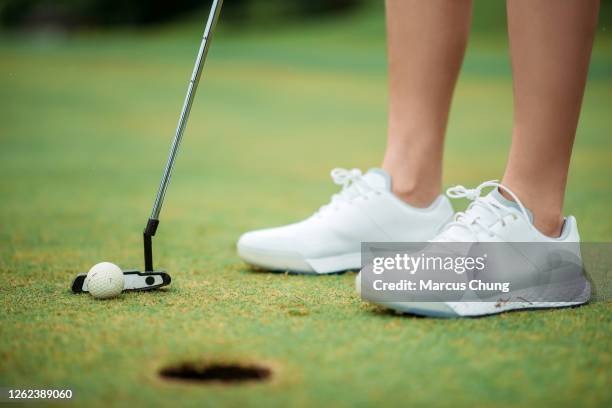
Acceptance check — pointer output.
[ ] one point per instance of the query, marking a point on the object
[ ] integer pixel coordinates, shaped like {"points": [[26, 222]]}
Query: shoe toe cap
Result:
{"points": [[274, 250], [267, 240]]}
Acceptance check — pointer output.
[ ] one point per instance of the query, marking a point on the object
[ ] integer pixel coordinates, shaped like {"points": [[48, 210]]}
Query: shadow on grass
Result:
{"points": [[380, 311], [251, 269]]}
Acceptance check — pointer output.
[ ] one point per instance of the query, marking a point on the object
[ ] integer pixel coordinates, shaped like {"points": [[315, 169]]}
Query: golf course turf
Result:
{"points": [[85, 126]]}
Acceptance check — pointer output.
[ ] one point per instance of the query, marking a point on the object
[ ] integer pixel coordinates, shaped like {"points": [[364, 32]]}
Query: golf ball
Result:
{"points": [[105, 280]]}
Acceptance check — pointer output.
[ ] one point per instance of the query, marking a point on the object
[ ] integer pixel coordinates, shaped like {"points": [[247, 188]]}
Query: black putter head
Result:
{"points": [[134, 281]]}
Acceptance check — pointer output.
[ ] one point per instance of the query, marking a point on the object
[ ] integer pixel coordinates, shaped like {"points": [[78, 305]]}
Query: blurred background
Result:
{"points": [[71, 15], [297, 85], [289, 84], [79, 14]]}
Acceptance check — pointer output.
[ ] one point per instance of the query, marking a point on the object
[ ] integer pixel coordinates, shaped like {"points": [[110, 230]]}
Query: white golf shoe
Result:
{"points": [[493, 218], [330, 240]]}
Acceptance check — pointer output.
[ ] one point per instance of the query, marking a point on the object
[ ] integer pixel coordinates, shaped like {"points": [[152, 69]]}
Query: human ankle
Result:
{"points": [[546, 218], [409, 186], [551, 227], [416, 173], [417, 199], [416, 192]]}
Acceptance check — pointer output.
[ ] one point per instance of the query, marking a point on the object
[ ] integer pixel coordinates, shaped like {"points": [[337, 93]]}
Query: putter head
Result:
{"points": [[134, 281]]}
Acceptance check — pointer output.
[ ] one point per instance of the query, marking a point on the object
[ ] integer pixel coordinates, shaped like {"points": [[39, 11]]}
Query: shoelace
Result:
{"points": [[472, 223], [352, 184]]}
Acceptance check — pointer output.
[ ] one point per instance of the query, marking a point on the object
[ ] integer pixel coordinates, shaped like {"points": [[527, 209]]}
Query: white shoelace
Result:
{"points": [[473, 223], [353, 186]]}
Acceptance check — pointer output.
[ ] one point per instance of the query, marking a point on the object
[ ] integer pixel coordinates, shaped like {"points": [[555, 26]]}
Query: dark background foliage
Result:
{"points": [[71, 14]]}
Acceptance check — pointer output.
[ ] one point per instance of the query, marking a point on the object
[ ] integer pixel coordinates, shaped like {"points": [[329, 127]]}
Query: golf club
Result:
{"points": [[149, 278]]}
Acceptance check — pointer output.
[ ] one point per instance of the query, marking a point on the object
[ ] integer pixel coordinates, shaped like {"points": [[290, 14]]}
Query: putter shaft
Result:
{"points": [[153, 220], [191, 90]]}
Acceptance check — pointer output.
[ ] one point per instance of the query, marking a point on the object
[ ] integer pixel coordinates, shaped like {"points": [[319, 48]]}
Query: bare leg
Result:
{"points": [[426, 44], [550, 43]]}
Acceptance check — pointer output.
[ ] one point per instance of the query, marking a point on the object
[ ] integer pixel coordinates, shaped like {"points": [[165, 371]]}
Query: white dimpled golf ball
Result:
{"points": [[105, 280]]}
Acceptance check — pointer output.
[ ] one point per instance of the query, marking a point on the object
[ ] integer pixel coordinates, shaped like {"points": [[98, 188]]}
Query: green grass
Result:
{"points": [[85, 125]]}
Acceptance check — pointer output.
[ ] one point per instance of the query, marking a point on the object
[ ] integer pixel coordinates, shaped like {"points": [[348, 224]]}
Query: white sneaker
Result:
{"points": [[330, 240], [493, 218]]}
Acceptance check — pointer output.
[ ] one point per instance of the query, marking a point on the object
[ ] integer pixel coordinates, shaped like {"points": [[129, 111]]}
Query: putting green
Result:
{"points": [[85, 126]]}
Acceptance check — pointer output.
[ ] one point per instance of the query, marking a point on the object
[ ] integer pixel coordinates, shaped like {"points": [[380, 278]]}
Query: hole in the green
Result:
{"points": [[216, 372]]}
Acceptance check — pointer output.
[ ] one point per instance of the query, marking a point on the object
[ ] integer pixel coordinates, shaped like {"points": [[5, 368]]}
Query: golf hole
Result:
{"points": [[227, 373]]}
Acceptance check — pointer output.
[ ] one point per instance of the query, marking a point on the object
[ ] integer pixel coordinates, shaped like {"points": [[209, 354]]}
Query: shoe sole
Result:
{"points": [[476, 309], [479, 309], [284, 261]]}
